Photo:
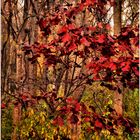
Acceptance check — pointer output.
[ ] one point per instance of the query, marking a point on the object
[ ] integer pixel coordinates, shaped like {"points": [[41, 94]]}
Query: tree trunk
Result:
{"points": [[16, 120], [118, 97], [117, 17], [20, 68]]}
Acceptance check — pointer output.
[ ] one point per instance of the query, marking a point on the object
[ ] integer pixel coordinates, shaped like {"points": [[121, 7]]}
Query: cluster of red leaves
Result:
{"points": [[108, 122], [108, 59], [72, 111], [68, 112], [114, 59]]}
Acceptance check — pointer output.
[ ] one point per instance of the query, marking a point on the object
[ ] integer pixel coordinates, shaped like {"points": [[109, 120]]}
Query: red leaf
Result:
{"points": [[69, 100], [110, 38], [66, 37], [92, 28], [98, 124], [24, 98], [73, 11], [89, 65], [75, 101], [72, 47], [71, 27], [85, 42], [60, 121], [126, 67], [124, 47], [86, 119], [63, 110], [89, 129], [108, 27], [125, 33], [81, 6], [136, 71], [89, 2], [42, 23], [3, 105], [100, 25], [134, 41], [112, 66], [55, 20], [63, 30], [102, 59], [123, 64], [96, 77], [100, 38], [77, 107]]}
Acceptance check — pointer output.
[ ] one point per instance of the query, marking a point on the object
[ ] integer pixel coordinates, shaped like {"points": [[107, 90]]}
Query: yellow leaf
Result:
{"points": [[31, 112]]}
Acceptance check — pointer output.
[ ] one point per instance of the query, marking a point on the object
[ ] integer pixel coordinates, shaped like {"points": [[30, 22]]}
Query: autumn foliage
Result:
{"points": [[88, 53]]}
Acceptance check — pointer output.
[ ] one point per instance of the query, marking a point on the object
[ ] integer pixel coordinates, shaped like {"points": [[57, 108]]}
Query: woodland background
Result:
{"points": [[69, 69]]}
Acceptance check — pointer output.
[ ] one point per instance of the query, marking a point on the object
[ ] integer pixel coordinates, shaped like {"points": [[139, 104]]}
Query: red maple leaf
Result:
{"points": [[3, 105], [96, 76], [125, 33], [69, 100], [55, 20], [66, 38], [86, 119], [42, 23], [112, 66], [85, 42], [24, 97], [81, 6], [89, 2], [110, 38], [108, 27], [100, 25], [136, 71], [126, 67], [100, 38], [63, 30], [89, 129], [92, 28], [102, 59], [98, 124], [60, 121], [71, 27], [77, 107], [89, 65], [72, 47], [73, 11], [134, 41]]}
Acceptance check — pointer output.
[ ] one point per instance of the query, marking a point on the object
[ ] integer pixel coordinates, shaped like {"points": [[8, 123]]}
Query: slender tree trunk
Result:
{"points": [[16, 120], [20, 68], [118, 97], [5, 50], [117, 17]]}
